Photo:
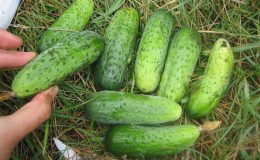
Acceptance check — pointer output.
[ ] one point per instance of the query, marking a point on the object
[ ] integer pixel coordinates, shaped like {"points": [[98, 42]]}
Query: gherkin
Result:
{"points": [[152, 50], [56, 63], [73, 19], [120, 37], [213, 84], [184, 51], [113, 107], [150, 141]]}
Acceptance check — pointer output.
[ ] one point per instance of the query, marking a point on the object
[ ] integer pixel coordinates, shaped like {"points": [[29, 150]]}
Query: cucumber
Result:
{"points": [[112, 107], [183, 54], [54, 64], [119, 44], [143, 141], [73, 19], [152, 50], [211, 88]]}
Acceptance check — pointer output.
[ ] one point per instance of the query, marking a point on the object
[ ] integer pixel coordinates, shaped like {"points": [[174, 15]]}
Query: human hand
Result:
{"points": [[16, 126]]}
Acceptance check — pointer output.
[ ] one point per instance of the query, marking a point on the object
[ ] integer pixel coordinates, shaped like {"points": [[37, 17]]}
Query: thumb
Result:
{"points": [[33, 114], [25, 120]]}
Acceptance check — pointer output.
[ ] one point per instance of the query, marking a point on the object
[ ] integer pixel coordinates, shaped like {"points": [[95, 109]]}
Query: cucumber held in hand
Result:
{"points": [[111, 107], [214, 83], [143, 141], [152, 50], [73, 19], [119, 42], [54, 64], [183, 54]]}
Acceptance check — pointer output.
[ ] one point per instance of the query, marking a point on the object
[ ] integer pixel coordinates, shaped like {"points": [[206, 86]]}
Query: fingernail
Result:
{"points": [[32, 54], [55, 91]]}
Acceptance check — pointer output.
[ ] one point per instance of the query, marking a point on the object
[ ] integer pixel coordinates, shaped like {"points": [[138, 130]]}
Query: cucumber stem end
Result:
{"points": [[209, 126], [6, 96]]}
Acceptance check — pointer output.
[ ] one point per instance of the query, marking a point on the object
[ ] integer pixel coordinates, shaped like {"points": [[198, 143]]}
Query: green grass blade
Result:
{"points": [[115, 6], [46, 136], [246, 47]]}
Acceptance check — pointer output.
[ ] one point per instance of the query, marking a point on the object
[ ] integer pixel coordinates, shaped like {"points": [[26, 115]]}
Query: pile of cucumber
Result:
{"points": [[164, 65]]}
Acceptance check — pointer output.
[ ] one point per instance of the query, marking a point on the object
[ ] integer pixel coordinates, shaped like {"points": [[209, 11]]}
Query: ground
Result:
{"points": [[239, 111]]}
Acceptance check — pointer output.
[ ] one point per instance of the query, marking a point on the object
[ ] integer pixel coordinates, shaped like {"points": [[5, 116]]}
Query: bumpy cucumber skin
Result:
{"points": [[183, 54], [141, 141], [54, 64], [152, 50], [214, 83], [73, 19], [111, 107], [119, 43]]}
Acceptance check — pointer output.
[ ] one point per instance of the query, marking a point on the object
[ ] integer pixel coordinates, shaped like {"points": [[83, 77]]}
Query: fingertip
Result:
{"points": [[9, 40], [15, 41], [31, 55], [18, 40], [14, 59], [55, 91], [47, 95]]}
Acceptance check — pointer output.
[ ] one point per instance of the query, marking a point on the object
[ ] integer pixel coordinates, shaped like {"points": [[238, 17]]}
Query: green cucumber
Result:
{"points": [[73, 19], [183, 54], [119, 44], [143, 141], [54, 64], [152, 50], [211, 88], [112, 107]]}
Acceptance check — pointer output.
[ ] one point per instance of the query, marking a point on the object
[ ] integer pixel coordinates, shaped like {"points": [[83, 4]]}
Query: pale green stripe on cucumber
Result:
{"points": [[120, 38], [145, 142], [212, 86], [184, 51], [72, 20], [152, 50], [54, 64], [112, 107]]}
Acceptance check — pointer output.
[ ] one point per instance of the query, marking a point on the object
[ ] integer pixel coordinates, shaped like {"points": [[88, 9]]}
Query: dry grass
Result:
{"points": [[237, 138]]}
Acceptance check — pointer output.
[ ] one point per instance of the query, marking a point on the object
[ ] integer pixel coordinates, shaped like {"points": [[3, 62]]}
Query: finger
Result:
{"points": [[10, 59], [32, 115], [9, 41], [5, 146]]}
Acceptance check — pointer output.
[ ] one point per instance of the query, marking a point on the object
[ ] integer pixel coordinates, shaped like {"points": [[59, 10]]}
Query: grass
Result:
{"points": [[237, 21]]}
